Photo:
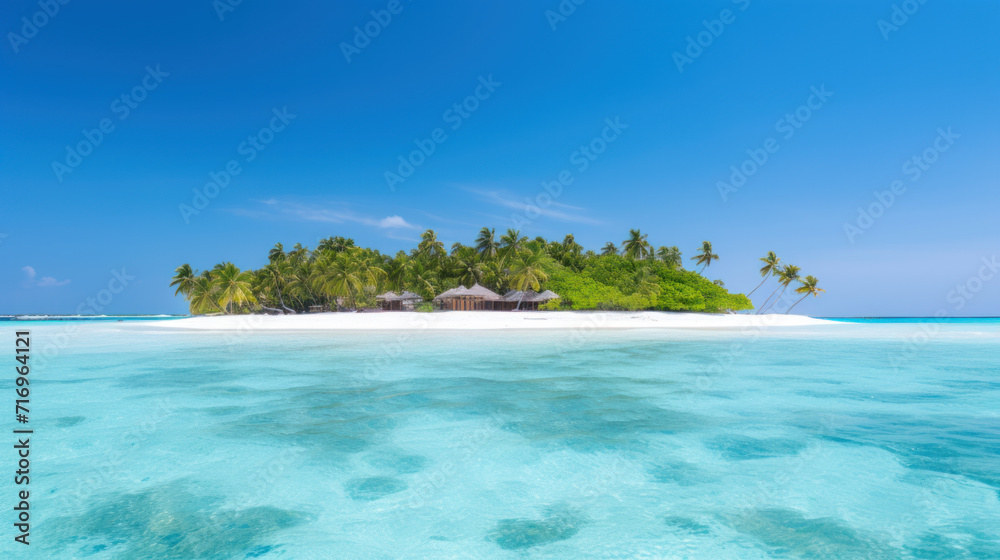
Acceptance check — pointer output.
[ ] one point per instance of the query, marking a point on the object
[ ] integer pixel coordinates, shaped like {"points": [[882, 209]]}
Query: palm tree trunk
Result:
{"points": [[282, 300], [777, 298], [761, 310], [703, 268], [758, 285], [796, 303]]}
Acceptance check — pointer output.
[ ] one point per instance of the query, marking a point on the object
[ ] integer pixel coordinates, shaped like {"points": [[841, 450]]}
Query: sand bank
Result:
{"points": [[486, 320]]}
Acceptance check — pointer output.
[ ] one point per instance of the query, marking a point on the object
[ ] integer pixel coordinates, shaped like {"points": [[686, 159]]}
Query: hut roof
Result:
{"points": [[459, 291], [475, 291], [518, 295], [530, 295], [388, 296], [410, 295], [486, 293]]}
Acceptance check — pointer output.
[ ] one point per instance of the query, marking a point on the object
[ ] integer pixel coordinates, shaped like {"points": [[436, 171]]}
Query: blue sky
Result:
{"points": [[197, 86]]}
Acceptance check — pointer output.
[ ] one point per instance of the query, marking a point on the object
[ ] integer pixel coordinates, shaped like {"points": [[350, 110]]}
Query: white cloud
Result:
{"points": [[45, 282], [48, 281], [393, 222]]}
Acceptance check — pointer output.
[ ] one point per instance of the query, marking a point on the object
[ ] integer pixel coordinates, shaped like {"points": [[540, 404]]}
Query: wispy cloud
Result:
{"points": [[552, 209], [277, 209], [48, 281], [44, 282]]}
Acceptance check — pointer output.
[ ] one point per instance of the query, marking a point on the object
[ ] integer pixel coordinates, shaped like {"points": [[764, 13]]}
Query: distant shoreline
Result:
{"points": [[487, 320]]}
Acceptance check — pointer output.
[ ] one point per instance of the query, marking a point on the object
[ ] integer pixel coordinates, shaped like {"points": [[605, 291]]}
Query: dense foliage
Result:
{"points": [[340, 275]]}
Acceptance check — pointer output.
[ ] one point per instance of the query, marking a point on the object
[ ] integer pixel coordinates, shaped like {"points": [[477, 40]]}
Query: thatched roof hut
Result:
{"points": [[401, 302], [527, 299], [485, 293], [476, 298]]}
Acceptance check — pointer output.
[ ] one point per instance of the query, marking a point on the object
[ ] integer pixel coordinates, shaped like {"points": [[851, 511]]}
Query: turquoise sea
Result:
{"points": [[862, 440]]}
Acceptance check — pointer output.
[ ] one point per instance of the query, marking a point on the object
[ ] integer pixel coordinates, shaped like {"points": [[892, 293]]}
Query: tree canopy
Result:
{"points": [[341, 275]]}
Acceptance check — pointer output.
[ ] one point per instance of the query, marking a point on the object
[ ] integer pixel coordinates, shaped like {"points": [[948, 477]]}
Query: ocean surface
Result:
{"points": [[861, 440]]}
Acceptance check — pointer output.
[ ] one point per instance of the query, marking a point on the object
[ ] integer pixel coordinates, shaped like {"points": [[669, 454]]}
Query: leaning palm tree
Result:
{"points": [[705, 256], [789, 273], [183, 279], [486, 244], [636, 246], [233, 286], [808, 288], [770, 268], [609, 249]]}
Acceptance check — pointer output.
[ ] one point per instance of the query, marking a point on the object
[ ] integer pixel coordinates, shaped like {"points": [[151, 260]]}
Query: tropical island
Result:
{"points": [[531, 273]]}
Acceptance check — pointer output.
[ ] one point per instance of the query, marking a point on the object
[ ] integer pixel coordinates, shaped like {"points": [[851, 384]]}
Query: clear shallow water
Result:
{"points": [[842, 441]]}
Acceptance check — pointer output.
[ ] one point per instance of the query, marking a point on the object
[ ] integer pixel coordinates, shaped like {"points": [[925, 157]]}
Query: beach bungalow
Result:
{"points": [[476, 298], [528, 300], [405, 301]]}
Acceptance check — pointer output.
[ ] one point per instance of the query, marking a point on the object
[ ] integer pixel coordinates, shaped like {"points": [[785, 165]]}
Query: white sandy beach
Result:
{"points": [[486, 320]]}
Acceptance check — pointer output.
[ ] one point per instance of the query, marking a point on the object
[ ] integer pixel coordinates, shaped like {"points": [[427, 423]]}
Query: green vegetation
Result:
{"points": [[340, 275]]}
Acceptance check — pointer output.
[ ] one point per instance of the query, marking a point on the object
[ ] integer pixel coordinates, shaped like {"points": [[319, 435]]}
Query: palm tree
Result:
{"points": [[233, 286], [808, 288], [466, 266], [422, 279], [203, 294], [184, 279], [636, 246], [789, 273], [705, 256], [429, 245], [277, 253], [486, 244], [337, 244], [275, 275], [609, 249], [671, 256], [349, 275], [770, 268], [528, 271]]}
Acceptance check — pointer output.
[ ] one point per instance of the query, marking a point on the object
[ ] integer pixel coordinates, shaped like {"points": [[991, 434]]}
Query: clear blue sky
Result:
{"points": [[63, 233]]}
